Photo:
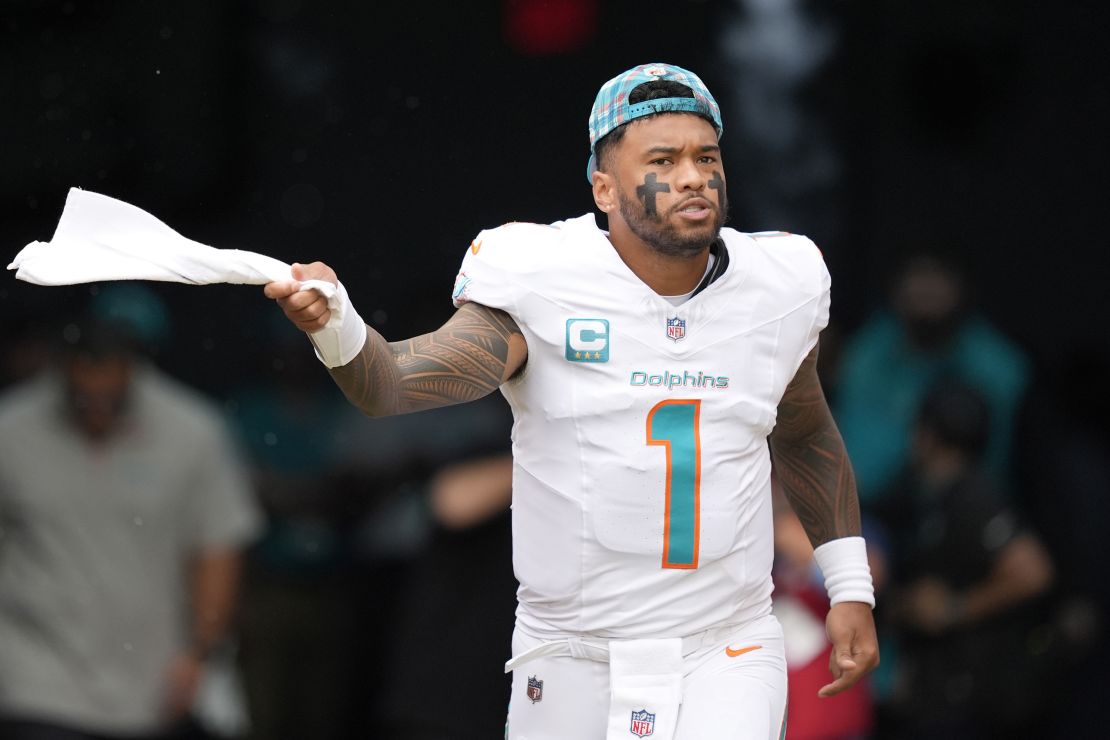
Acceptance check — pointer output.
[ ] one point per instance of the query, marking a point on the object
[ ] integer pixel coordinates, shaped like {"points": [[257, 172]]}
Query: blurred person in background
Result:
{"points": [[965, 579], [887, 366], [123, 510]]}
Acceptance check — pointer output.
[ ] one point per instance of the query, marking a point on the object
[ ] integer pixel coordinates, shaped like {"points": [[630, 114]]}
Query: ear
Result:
{"points": [[605, 191]]}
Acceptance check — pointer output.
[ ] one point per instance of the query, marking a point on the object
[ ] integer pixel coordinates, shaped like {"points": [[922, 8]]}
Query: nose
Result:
{"points": [[689, 176]]}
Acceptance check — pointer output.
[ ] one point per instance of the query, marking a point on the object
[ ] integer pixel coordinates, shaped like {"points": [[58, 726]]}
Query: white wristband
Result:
{"points": [[342, 339], [843, 562]]}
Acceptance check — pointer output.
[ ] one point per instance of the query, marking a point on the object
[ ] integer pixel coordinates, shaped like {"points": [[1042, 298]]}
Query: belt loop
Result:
{"points": [[576, 648]]}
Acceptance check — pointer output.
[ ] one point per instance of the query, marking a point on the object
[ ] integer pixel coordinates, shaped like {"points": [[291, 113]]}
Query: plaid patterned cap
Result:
{"points": [[612, 109]]}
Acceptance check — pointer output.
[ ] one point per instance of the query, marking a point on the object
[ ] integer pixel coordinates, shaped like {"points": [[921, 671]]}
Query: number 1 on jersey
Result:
{"points": [[674, 424]]}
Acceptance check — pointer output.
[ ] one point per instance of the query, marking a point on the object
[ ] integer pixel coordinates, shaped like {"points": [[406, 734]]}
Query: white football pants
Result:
{"points": [[731, 685]]}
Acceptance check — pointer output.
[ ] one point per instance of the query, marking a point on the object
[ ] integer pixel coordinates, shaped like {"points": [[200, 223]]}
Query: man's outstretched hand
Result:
{"points": [[855, 647], [307, 309]]}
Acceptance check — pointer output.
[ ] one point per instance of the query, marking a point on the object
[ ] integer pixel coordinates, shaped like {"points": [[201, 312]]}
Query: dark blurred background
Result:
{"points": [[381, 137]]}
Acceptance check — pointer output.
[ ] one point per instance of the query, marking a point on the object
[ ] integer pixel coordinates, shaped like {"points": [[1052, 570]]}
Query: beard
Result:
{"points": [[662, 235]]}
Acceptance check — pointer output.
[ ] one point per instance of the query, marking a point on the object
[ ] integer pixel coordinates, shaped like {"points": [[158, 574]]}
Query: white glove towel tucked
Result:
{"points": [[100, 238], [645, 687]]}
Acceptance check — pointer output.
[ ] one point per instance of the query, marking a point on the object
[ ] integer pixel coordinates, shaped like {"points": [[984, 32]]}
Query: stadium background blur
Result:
{"points": [[380, 137]]}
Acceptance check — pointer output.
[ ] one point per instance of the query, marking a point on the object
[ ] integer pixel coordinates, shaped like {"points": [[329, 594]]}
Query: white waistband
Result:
{"points": [[597, 648]]}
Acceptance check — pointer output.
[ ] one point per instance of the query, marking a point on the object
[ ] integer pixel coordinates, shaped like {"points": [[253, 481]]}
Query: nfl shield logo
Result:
{"points": [[676, 328], [535, 689], [643, 723]]}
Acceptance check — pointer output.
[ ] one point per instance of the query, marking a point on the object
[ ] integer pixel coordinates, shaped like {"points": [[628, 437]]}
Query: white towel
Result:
{"points": [[645, 687], [100, 238]]}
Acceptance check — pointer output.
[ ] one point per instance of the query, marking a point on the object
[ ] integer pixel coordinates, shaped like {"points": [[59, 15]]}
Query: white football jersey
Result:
{"points": [[641, 486]]}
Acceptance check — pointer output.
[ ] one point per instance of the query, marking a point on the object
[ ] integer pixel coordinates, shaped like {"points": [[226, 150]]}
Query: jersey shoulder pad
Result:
{"points": [[797, 257], [515, 246], [500, 264]]}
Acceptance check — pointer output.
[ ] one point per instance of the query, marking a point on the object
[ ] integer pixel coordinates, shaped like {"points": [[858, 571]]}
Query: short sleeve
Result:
{"points": [[813, 282], [823, 302], [500, 262], [224, 512]]}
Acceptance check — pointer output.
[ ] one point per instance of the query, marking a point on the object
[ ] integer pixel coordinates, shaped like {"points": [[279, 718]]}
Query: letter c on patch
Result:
{"points": [[588, 335], [587, 340]]}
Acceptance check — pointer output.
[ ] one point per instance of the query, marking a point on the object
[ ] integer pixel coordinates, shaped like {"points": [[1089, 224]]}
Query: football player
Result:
{"points": [[658, 371]]}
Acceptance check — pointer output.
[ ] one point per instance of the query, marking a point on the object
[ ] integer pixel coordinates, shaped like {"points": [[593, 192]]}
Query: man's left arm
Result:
{"points": [[214, 588], [812, 467]]}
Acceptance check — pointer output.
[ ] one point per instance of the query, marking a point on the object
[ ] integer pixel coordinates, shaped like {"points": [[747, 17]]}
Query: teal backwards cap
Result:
{"points": [[612, 109]]}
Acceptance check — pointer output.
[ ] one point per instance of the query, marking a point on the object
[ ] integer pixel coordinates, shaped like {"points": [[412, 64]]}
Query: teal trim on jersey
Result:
{"points": [[676, 424], [587, 340], [461, 282]]}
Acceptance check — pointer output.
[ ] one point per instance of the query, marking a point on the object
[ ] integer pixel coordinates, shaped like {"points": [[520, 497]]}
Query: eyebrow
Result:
{"points": [[660, 149]]}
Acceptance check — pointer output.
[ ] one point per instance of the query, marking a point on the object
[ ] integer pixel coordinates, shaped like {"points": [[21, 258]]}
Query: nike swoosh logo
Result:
{"points": [[740, 651]]}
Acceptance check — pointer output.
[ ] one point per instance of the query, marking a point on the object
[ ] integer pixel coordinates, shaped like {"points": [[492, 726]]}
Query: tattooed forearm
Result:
{"points": [[467, 358], [371, 381], [810, 461]]}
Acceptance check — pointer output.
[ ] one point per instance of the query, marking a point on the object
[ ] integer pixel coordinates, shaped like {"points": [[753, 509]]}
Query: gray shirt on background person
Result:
{"points": [[95, 546]]}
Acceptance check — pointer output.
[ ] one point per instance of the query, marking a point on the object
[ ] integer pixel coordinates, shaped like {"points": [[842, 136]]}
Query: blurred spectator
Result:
{"points": [[122, 513], [801, 604], [964, 581], [886, 368]]}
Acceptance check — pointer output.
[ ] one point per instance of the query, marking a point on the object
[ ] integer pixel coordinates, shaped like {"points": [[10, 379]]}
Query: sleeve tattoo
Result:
{"points": [[810, 461], [463, 360]]}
